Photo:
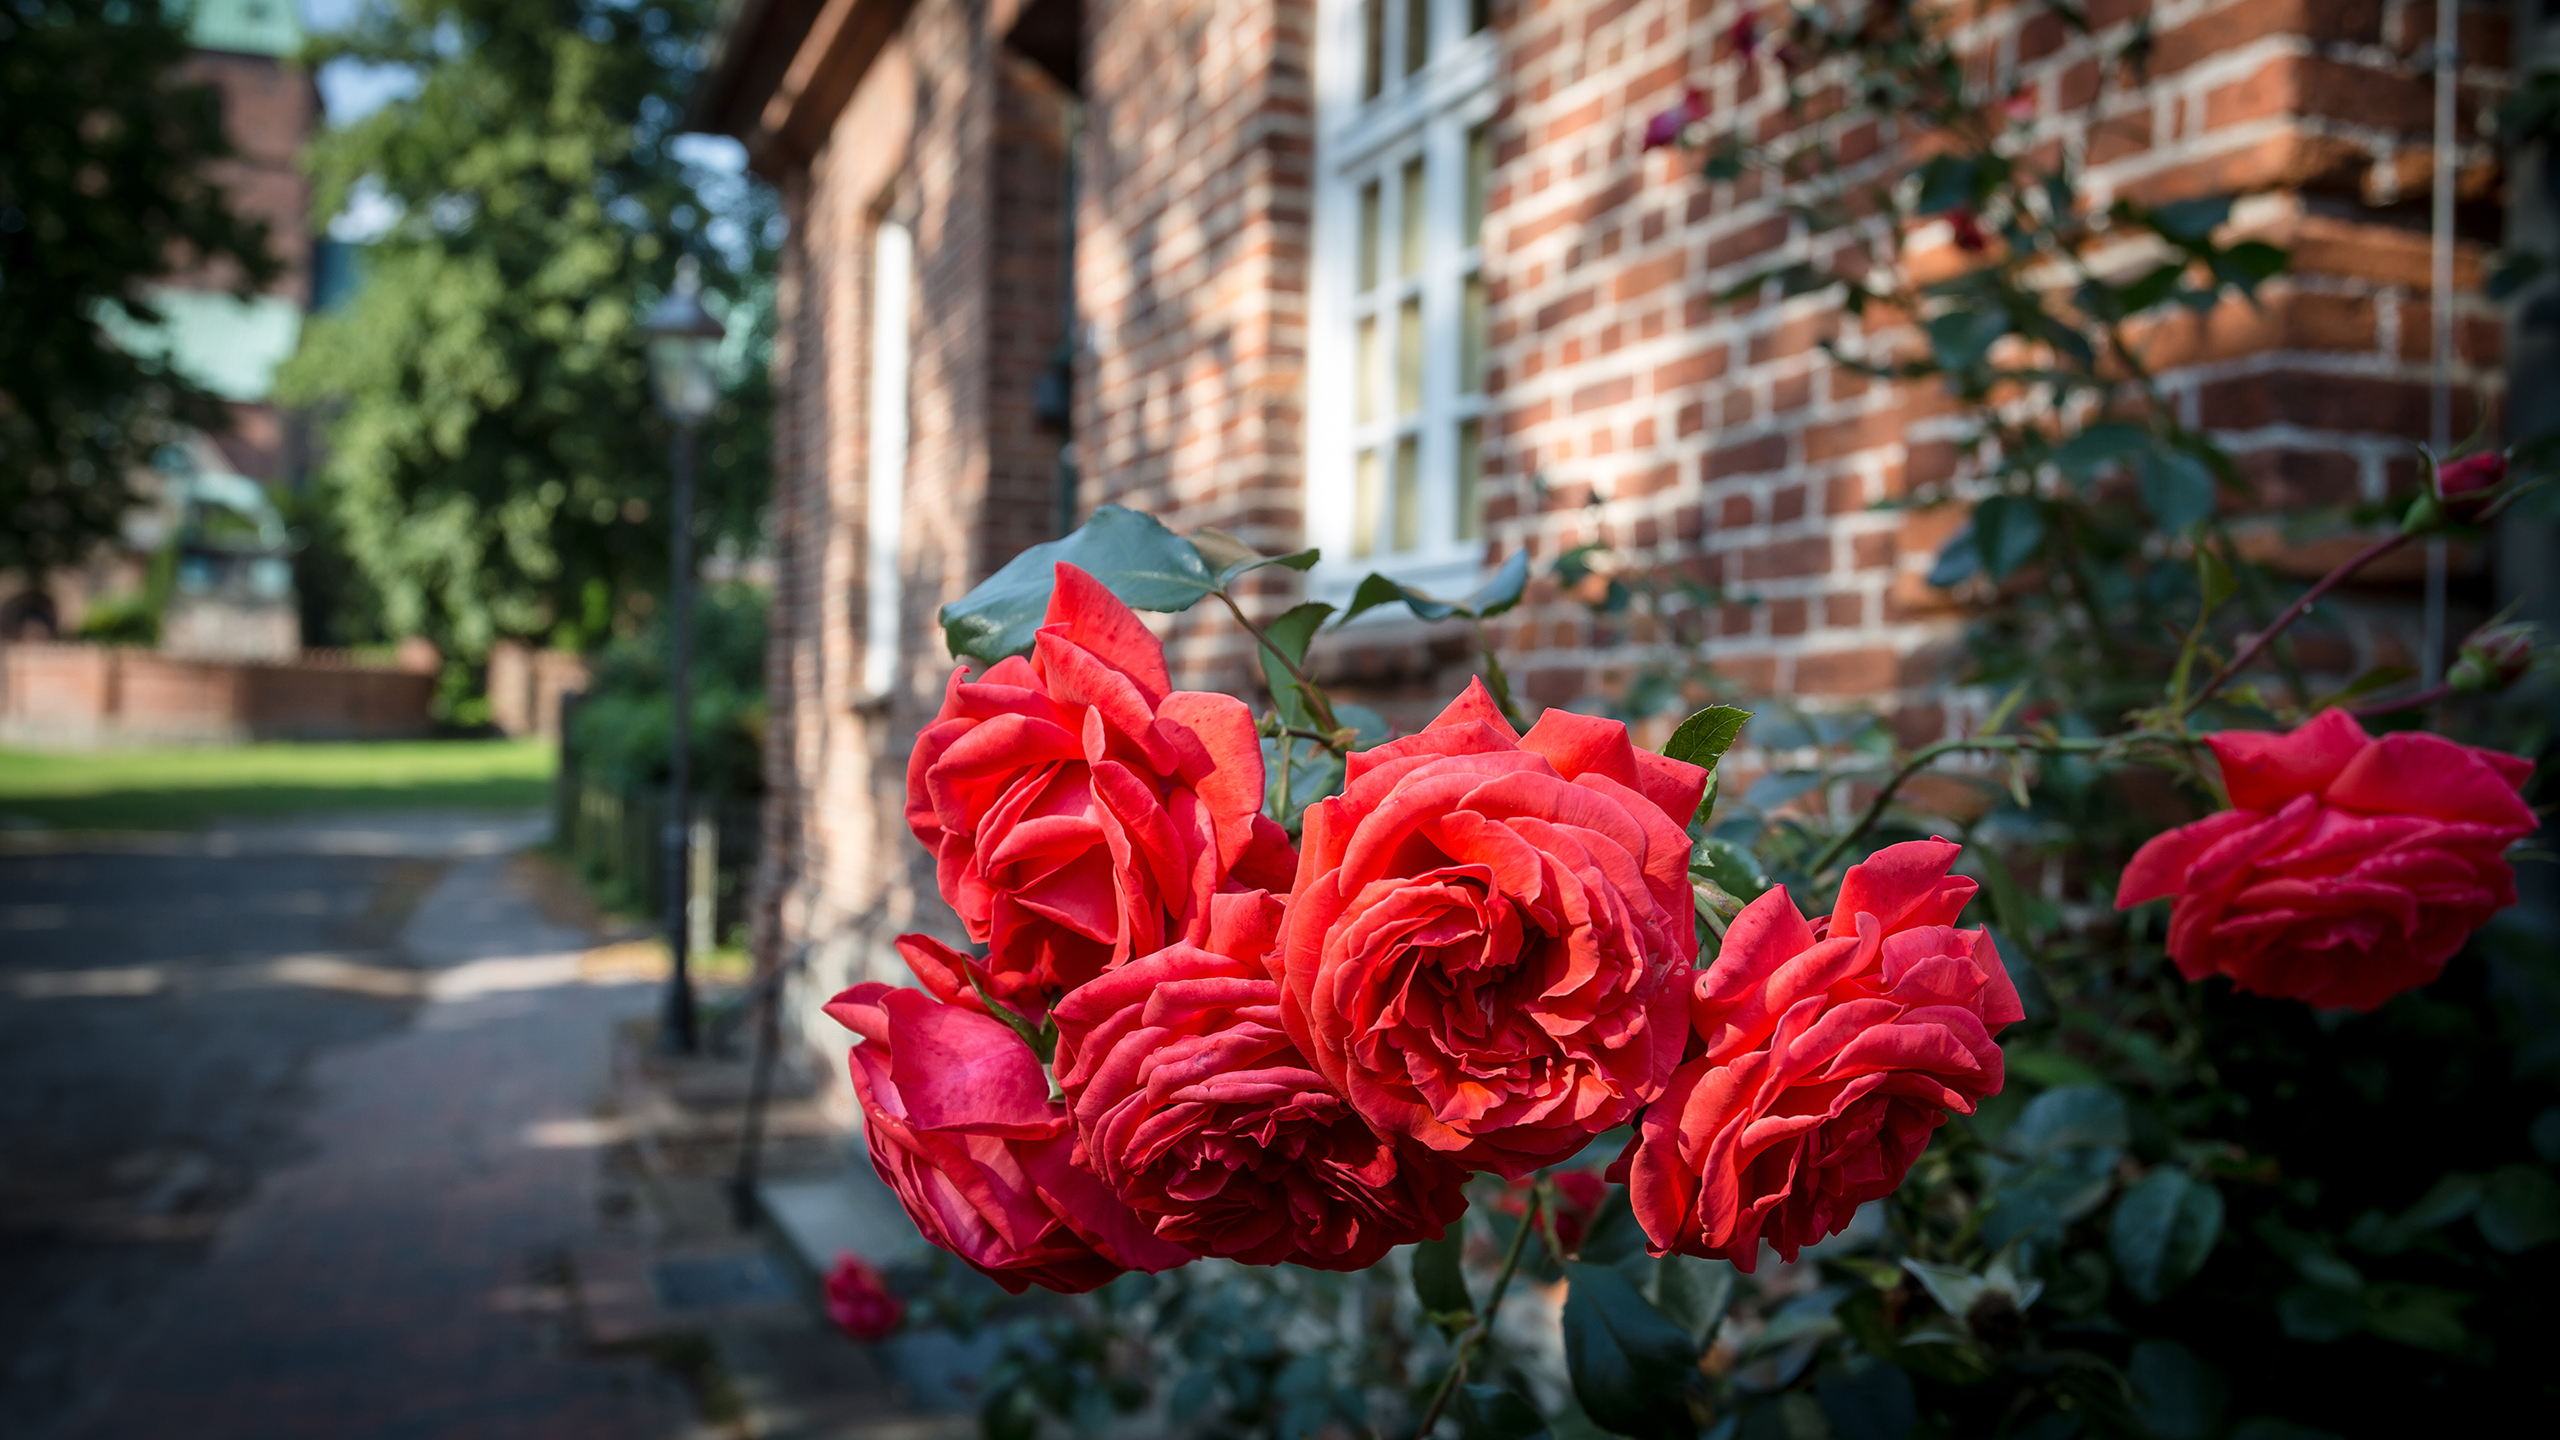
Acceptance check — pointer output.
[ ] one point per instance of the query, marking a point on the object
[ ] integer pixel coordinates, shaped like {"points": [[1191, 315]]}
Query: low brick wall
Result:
{"points": [[95, 695]]}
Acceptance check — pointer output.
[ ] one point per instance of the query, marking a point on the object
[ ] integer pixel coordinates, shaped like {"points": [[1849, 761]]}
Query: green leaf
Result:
{"points": [[2249, 263], [2106, 443], [2154, 285], [1703, 738], [2214, 578], [1502, 591], [1946, 183], [1867, 1399], [1957, 561], [1290, 634], [1694, 1294], [2319, 1314], [1376, 590], [2420, 1316], [2519, 1209], [2190, 223], [1730, 868], [2008, 530], [1614, 1237], [1631, 1367], [1135, 557], [2164, 1230], [2177, 488], [1961, 338], [2074, 1117], [1438, 1280], [1490, 1412], [1232, 558], [2174, 1394]]}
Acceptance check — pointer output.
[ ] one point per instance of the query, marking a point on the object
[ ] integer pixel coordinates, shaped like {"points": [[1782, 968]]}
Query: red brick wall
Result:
{"points": [[93, 694], [1626, 403], [269, 108]]}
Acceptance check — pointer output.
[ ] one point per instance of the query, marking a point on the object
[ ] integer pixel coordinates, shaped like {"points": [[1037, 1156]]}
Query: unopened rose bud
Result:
{"points": [[1968, 232], [1671, 126], [2471, 474], [2495, 657]]}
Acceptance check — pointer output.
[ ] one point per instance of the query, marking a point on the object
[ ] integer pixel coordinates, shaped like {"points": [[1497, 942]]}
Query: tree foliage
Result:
{"points": [[108, 183], [493, 456]]}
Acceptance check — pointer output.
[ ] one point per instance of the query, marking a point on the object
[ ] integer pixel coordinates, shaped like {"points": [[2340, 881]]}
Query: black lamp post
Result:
{"points": [[683, 339]]}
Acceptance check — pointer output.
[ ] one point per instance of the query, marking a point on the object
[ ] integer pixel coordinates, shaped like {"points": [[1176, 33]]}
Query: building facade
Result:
{"points": [[1398, 278]]}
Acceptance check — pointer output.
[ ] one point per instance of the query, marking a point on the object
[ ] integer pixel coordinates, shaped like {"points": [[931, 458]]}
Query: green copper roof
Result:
{"points": [[247, 27]]}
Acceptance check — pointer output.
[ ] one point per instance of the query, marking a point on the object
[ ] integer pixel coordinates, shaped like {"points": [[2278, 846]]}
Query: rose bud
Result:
{"points": [[2493, 658], [2471, 474], [859, 1302], [1665, 127], [2347, 870], [1967, 231]]}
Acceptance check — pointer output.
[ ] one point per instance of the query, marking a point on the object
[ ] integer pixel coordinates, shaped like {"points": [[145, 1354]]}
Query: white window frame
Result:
{"points": [[1429, 113], [884, 475]]}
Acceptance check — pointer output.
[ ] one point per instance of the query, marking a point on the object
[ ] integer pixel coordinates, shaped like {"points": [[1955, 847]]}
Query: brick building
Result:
{"points": [[1396, 278]]}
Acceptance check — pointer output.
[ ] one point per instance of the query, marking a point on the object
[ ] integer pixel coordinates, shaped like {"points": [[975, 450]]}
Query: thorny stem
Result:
{"points": [[1474, 1339], [2260, 641], [2418, 701], [1921, 760], [1288, 742], [1316, 698]]}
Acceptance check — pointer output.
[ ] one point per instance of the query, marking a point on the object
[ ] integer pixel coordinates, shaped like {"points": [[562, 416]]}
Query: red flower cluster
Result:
{"points": [[1483, 956]]}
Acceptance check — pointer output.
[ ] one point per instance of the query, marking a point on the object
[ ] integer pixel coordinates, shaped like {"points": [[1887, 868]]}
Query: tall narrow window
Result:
{"points": [[1406, 160], [885, 471]]}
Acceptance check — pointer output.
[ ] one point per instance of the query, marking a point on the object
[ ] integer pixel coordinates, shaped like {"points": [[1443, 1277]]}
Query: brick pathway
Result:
{"points": [[405, 1281]]}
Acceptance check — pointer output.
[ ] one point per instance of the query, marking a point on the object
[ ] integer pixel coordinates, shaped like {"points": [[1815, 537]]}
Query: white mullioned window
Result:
{"points": [[885, 467], [1405, 92]]}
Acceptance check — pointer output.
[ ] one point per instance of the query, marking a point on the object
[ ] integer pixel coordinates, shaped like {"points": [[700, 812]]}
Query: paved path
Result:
{"points": [[405, 1279]]}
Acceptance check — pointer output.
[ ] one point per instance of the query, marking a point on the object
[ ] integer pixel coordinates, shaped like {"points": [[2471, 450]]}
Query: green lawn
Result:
{"points": [[179, 789]]}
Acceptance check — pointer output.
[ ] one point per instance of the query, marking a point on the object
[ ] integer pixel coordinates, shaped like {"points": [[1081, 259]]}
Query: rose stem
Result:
{"points": [[1470, 1342], [1923, 758], [1315, 693], [2291, 613]]}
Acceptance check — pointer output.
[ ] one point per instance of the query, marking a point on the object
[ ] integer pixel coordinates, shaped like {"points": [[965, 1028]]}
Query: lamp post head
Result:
{"points": [[683, 339]]}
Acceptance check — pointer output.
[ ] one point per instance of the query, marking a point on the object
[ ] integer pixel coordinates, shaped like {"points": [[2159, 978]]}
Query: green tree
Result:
{"points": [[493, 459], [107, 184]]}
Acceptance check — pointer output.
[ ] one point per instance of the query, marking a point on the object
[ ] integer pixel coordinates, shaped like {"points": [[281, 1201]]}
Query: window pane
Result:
{"points": [[1408, 494], [1367, 379], [1409, 357], [1471, 337], [1364, 505], [1470, 467], [1417, 34], [1409, 226], [1367, 262], [1479, 179], [1373, 48]]}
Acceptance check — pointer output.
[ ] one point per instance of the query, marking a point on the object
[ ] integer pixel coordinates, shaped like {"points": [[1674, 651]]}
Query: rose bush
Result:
{"points": [[1080, 810], [1828, 1054], [1489, 941], [1194, 1105], [2348, 868]]}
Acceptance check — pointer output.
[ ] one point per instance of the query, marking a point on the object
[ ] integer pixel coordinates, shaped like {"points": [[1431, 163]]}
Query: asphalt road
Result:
{"points": [[162, 1005]]}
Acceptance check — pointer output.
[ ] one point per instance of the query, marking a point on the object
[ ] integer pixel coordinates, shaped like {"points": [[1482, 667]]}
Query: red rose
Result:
{"points": [[2347, 870], [1194, 1105], [1081, 810], [1488, 946], [1830, 1056], [859, 1302], [1665, 126], [957, 1116]]}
